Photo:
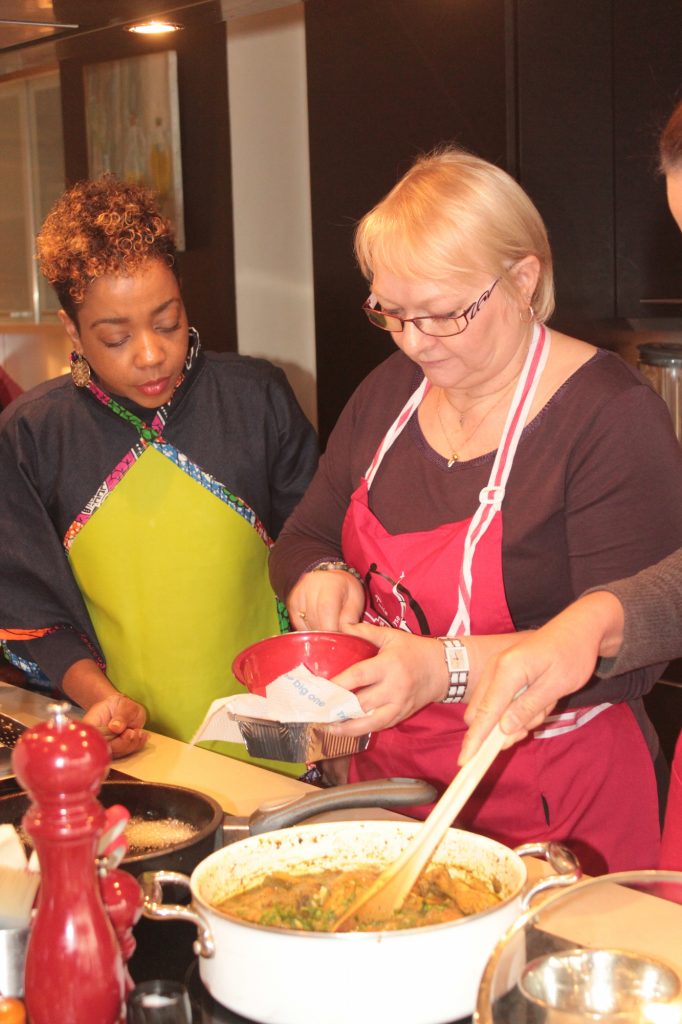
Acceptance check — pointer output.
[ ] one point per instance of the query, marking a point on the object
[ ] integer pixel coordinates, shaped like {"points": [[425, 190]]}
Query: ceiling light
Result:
{"points": [[154, 28]]}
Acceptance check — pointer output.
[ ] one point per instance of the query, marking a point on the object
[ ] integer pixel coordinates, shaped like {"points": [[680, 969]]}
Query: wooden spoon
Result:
{"points": [[388, 893]]}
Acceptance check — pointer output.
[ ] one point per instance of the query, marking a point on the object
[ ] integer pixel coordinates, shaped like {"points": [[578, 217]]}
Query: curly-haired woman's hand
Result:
{"points": [[120, 721]]}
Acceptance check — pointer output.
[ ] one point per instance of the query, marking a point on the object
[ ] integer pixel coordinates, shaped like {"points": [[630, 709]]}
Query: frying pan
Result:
{"points": [[214, 829]]}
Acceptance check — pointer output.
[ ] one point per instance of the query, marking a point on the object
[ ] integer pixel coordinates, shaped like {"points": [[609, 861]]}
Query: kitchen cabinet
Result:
{"points": [[569, 98]]}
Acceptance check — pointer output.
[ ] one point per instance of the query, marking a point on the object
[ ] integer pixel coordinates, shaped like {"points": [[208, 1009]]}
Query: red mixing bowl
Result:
{"points": [[323, 653]]}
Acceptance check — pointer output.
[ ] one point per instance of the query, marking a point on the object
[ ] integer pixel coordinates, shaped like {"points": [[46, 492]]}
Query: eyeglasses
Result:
{"points": [[434, 326]]}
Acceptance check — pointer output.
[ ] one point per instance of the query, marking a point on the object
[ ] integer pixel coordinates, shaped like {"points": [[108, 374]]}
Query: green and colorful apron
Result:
{"points": [[173, 570]]}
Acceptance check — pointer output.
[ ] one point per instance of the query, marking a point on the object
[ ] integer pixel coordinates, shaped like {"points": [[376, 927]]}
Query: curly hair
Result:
{"points": [[105, 226]]}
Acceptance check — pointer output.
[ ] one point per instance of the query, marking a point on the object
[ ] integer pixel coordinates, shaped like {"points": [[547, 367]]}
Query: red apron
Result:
{"points": [[585, 777], [671, 846]]}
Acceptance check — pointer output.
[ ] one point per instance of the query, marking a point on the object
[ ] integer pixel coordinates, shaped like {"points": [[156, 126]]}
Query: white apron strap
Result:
{"points": [[491, 496], [396, 429], [567, 721]]}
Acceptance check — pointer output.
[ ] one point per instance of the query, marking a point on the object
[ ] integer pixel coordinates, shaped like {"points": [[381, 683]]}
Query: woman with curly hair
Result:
{"points": [[141, 493]]}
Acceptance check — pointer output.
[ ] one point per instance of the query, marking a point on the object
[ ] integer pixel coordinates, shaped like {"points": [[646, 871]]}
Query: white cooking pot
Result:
{"points": [[416, 976]]}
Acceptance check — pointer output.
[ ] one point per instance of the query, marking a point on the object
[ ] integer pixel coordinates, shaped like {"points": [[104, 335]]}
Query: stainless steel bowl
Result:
{"points": [[604, 950], [593, 983]]}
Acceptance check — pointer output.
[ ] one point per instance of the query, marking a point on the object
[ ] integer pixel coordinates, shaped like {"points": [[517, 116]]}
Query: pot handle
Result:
{"points": [[560, 858], [375, 793], [153, 907]]}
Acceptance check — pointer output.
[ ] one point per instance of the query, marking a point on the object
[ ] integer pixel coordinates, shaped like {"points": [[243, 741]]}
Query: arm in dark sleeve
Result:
{"points": [[623, 500], [652, 602], [37, 589], [293, 457], [313, 532]]}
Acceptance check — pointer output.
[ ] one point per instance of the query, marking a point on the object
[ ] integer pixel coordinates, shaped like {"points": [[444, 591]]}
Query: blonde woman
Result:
{"points": [[479, 480]]}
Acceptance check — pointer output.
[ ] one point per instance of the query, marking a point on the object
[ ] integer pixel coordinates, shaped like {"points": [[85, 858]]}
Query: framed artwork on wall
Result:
{"points": [[133, 126]]}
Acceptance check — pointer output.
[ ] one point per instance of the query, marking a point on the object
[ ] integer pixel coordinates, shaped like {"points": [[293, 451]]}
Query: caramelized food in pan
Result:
{"points": [[313, 902], [144, 835]]}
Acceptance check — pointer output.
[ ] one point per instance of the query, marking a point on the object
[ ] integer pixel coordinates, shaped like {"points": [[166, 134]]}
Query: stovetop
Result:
{"points": [[205, 1010]]}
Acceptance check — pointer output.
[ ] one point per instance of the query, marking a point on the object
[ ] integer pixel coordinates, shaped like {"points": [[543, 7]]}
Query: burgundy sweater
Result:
{"points": [[595, 493]]}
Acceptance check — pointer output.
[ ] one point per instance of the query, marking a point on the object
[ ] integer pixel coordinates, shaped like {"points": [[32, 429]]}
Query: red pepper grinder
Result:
{"points": [[123, 899], [74, 968]]}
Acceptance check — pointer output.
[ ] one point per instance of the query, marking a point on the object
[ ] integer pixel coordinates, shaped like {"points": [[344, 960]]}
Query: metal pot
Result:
{"points": [[214, 828], [416, 976]]}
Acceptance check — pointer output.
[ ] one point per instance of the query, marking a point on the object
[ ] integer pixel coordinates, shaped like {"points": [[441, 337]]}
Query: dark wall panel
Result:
{"points": [[569, 97], [647, 84], [386, 80], [565, 132]]}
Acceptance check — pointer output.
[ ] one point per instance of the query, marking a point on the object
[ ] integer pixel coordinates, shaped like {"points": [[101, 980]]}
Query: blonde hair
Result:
{"points": [[455, 214], [670, 144]]}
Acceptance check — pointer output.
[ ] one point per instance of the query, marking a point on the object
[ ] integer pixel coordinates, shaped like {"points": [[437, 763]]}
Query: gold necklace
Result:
{"points": [[461, 413], [454, 455]]}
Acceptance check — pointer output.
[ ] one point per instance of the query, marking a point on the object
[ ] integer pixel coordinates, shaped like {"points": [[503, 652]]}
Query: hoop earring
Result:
{"points": [[528, 315], [80, 370]]}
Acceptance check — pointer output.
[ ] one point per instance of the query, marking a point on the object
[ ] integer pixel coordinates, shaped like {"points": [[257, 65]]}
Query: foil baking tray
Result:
{"points": [[295, 741]]}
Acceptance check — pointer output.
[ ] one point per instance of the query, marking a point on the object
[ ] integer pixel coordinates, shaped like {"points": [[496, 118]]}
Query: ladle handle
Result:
{"points": [[390, 889]]}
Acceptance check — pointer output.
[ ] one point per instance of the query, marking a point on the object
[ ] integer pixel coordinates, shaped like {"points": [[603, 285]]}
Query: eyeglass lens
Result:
{"points": [[436, 326], [439, 326]]}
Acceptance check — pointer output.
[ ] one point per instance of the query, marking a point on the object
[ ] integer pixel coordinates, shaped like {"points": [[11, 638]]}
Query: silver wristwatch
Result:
{"points": [[457, 661]]}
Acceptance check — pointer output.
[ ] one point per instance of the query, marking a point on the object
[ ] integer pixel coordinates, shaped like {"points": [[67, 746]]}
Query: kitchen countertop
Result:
{"points": [[165, 948], [238, 787]]}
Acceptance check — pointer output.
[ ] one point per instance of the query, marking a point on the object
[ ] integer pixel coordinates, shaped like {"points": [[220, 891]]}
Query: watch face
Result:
{"points": [[456, 656]]}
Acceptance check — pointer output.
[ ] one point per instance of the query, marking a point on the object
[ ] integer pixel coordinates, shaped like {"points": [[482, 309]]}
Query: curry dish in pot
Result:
{"points": [[313, 902]]}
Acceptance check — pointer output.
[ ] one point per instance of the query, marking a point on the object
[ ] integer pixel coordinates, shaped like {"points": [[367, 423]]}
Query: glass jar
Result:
{"points": [[661, 364]]}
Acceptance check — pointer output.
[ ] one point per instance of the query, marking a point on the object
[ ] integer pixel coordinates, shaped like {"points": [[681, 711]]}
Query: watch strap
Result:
{"points": [[457, 661]]}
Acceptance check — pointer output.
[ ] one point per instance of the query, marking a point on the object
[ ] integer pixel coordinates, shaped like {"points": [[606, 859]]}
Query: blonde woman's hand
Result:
{"points": [[328, 600], [408, 673]]}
